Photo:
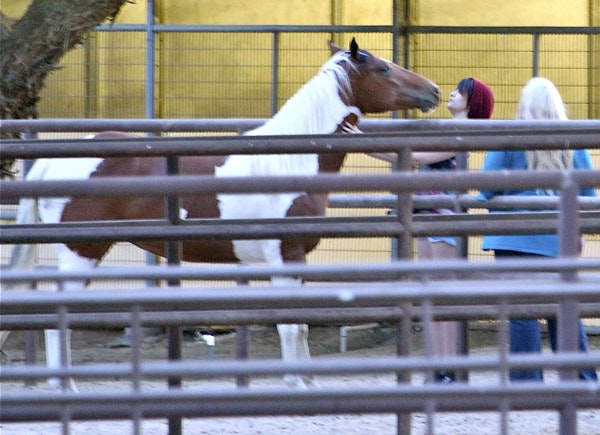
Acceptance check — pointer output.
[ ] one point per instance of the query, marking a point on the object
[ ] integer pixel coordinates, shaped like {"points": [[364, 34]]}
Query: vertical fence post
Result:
{"points": [[568, 323], [404, 251], [173, 248], [172, 207], [462, 344], [536, 55], [137, 336], [275, 73], [30, 336], [241, 344]]}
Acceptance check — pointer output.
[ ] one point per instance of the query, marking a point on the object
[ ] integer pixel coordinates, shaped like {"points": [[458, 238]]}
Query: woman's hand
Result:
{"points": [[419, 158], [349, 128]]}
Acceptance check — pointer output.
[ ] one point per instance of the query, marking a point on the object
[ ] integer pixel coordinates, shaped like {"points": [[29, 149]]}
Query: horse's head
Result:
{"points": [[378, 85]]}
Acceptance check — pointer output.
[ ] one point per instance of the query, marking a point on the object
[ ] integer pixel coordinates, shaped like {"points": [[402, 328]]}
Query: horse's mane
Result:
{"points": [[317, 107]]}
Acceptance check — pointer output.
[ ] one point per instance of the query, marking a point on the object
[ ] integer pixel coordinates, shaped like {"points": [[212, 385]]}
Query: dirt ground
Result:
{"points": [[99, 346], [95, 347]]}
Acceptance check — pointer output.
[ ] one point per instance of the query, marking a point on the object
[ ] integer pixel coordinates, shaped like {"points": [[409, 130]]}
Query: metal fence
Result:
{"points": [[172, 71], [399, 291]]}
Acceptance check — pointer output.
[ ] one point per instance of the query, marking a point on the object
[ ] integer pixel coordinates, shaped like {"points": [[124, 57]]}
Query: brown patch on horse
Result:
{"points": [[314, 204], [127, 208]]}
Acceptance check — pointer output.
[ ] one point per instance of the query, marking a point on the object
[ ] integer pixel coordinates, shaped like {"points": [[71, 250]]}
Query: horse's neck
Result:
{"points": [[315, 109], [332, 162]]}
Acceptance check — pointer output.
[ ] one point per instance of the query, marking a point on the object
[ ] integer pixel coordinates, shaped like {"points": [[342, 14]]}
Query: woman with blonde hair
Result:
{"points": [[540, 100]]}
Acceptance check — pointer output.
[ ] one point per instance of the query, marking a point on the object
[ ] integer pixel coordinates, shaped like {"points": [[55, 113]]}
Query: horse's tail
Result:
{"points": [[24, 256]]}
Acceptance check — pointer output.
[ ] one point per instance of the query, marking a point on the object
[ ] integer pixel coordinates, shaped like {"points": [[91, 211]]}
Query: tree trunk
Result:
{"points": [[32, 48]]}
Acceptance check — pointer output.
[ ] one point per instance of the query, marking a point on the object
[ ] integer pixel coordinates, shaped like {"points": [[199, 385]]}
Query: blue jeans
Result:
{"points": [[526, 337]]}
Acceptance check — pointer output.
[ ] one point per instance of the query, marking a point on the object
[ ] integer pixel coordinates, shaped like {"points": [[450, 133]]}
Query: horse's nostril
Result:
{"points": [[436, 92]]}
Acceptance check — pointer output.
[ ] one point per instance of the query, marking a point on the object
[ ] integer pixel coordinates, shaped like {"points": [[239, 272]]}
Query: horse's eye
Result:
{"points": [[384, 69]]}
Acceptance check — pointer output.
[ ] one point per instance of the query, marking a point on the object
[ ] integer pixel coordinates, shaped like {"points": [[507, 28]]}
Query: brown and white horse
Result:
{"points": [[350, 84]]}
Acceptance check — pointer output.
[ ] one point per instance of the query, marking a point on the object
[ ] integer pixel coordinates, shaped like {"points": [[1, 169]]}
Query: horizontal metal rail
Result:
{"points": [[316, 316], [268, 28], [398, 126], [278, 401], [313, 296], [292, 144], [322, 366], [458, 225], [460, 201], [194, 184], [508, 30], [207, 229], [394, 270]]}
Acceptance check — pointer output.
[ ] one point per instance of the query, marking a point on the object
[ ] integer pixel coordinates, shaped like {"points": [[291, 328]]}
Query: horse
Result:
{"points": [[351, 83]]}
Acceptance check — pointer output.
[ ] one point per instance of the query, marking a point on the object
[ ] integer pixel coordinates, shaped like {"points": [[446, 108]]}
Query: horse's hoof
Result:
{"points": [[312, 383], [121, 342], [301, 382], [57, 385], [4, 358]]}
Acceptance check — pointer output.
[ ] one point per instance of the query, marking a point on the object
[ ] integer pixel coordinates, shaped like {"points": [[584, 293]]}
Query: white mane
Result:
{"points": [[317, 107]]}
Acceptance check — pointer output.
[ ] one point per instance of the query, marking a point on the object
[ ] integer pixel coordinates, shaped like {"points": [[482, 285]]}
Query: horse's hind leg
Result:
{"points": [[3, 337], [55, 356]]}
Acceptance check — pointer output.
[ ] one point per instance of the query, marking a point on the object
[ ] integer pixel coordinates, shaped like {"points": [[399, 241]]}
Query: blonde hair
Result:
{"points": [[540, 100]]}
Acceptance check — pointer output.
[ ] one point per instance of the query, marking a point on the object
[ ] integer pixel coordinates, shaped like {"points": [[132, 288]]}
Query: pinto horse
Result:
{"points": [[351, 83]]}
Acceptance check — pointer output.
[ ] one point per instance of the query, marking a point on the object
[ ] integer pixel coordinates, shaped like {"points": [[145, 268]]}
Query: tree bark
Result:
{"points": [[32, 48]]}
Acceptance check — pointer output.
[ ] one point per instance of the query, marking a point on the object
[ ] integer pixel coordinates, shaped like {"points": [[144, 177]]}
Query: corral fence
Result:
{"points": [[399, 291], [202, 71]]}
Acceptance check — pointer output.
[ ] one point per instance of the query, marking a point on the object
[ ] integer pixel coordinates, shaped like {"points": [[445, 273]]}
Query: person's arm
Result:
{"points": [[429, 157], [417, 158], [582, 160]]}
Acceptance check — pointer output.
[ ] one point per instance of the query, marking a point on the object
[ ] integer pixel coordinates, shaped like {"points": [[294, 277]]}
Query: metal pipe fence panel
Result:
{"points": [[197, 67], [395, 292], [403, 397]]}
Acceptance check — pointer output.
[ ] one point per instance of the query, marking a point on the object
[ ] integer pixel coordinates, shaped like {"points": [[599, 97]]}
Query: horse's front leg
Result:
{"points": [[68, 260], [294, 343], [53, 356]]}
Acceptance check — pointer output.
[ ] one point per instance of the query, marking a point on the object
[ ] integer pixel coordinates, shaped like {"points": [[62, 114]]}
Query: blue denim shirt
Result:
{"points": [[541, 244]]}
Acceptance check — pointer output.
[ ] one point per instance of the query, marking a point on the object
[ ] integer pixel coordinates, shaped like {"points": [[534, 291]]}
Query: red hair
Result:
{"points": [[481, 101]]}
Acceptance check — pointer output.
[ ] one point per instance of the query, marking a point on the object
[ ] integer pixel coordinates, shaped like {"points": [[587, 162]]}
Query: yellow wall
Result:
{"points": [[239, 72], [242, 12], [502, 13], [512, 53], [14, 8]]}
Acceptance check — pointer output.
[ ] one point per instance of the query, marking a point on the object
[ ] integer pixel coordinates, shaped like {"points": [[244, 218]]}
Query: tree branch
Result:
{"points": [[33, 47]]}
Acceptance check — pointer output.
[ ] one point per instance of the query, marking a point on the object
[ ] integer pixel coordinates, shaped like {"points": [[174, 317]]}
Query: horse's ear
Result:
{"points": [[333, 47], [354, 49]]}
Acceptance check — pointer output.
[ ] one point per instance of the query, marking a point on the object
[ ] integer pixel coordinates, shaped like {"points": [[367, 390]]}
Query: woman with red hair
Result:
{"points": [[472, 99]]}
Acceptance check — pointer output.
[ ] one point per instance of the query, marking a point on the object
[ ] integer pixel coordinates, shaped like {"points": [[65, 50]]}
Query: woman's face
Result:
{"points": [[457, 102]]}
